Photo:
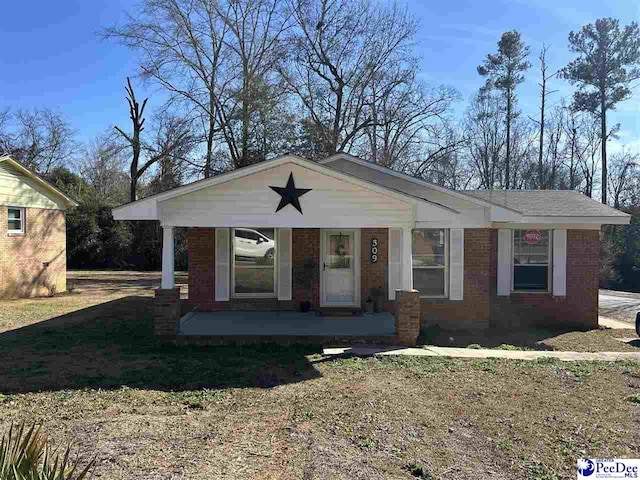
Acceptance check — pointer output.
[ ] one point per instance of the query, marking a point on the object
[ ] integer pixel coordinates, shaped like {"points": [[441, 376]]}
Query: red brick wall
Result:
{"points": [[473, 310], [481, 305], [579, 308], [201, 255], [374, 275], [24, 257], [306, 265]]}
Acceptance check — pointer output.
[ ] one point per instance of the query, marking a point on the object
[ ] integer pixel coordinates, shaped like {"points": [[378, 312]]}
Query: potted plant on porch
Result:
{"points": [[305, 275], [376, 295]]}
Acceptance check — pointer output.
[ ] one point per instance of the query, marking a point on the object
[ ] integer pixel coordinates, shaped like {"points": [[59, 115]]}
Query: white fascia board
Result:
{"points": [[578, 220], [145, 209], [404, 176], [569, 223]]}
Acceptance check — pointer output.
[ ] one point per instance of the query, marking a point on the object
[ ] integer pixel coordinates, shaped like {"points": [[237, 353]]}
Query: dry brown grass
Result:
{"points": [[162, 412]]}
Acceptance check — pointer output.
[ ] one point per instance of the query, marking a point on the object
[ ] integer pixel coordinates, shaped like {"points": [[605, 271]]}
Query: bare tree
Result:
{"points": [[408, 124], [102, 163], [134, 142], [623, 171], [182, 47], [484, 123], [590, 160], [346, 57], [544, 92], [40, 139]]}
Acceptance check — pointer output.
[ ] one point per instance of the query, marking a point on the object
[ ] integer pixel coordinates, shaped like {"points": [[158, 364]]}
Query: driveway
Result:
{"points": [[619, 305]]}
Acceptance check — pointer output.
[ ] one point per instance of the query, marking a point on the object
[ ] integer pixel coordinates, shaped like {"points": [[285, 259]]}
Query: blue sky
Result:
{"points": [[52, 54]]}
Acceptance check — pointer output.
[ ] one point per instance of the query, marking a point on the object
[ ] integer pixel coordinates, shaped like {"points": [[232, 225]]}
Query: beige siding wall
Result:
{"points": [[33, 264], [21, 191]]}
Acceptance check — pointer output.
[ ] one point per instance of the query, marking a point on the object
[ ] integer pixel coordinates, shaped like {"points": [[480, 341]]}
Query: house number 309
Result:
{"points": [[374, 250]]}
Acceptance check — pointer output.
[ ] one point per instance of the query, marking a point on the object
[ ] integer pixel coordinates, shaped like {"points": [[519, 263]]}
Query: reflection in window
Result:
{"points": [[429, 256], [16, 220], [340, 251], [531, 253], [254, 252]]}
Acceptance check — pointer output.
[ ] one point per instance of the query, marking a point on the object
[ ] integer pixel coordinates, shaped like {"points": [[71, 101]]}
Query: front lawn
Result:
{"points": [[155, 411]]}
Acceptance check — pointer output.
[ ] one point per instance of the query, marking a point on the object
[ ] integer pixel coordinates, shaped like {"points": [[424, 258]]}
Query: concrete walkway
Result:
{"points": [[452, 352], [613, 323]]}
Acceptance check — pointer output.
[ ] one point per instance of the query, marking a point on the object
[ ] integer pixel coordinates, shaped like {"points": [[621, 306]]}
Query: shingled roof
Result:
{"points": [[547, 203]]}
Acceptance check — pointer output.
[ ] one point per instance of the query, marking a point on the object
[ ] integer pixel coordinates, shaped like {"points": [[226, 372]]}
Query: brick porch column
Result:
{"points": [[166, 312], [407, 316]]}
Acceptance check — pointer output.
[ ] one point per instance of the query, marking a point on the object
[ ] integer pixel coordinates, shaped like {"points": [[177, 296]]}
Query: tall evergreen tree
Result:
{"points": [[505, 71], [607, 62]]}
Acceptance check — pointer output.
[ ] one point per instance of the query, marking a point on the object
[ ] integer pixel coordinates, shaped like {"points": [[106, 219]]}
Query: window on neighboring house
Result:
{"points": [[254, 254], [430, 260], [15, 220], [531, 260]]}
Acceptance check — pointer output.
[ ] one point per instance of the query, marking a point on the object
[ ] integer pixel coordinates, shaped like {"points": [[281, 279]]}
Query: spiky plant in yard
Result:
{"points": [[26, 455]]}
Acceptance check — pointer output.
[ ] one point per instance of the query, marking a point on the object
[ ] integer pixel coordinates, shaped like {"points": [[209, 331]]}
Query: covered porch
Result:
{"points": [[288, 324]]}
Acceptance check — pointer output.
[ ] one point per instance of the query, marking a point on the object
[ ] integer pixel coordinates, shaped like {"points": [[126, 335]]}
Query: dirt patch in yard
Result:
{"points": [[601, 340], [92, 371]]}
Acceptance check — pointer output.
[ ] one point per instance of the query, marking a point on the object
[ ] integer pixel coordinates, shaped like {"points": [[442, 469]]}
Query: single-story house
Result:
{"points": [[344, 236], [33, 240]]}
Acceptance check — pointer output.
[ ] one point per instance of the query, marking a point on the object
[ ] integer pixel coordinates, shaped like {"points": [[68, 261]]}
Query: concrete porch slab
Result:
{"points": [[288, 324]]}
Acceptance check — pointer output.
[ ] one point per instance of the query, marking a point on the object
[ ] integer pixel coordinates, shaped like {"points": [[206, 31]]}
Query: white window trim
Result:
{"points": [[549, 264], [22, 221], [233, 269], [445, 267]]}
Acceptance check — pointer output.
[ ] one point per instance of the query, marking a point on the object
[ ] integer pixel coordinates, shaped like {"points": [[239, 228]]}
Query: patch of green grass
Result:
{"points": [[634, 398], [423, 366], [504, 444], [539, 471], [474, 346], [367, 442], [506, 346]]}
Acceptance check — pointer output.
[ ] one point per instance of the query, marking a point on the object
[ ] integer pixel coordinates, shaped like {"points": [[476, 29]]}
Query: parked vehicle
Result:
{"points": [[251, 243]]}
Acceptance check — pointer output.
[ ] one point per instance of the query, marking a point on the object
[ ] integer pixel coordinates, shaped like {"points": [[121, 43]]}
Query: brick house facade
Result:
{"points": [[32, 258], [345, 234]]}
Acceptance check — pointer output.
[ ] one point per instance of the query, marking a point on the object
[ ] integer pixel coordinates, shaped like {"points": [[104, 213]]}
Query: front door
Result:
{"points": [[340, 268]]}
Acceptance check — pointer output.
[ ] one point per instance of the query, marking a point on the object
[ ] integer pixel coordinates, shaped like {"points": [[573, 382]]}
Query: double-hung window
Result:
{"points": [[254, 254], [15, 225], [430, 258], [532, 260]]}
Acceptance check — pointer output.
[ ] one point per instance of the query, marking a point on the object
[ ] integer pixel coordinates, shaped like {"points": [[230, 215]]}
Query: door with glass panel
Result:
{"points": [[339, 267]]}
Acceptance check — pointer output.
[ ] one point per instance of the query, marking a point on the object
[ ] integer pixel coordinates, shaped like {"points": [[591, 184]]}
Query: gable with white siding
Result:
{"points": [[19, 188], [333, 201]]}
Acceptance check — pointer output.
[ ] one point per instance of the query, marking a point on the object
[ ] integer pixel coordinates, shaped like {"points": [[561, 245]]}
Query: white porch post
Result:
{"points": [[167, 258], [407, 270]]}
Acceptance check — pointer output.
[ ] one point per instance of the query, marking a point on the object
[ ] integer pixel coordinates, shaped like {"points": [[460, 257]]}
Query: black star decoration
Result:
{"points": [[290, 194]]}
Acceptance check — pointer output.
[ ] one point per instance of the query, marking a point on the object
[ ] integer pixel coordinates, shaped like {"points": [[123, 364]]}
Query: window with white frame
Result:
{"points": [[532, 260], [15, 217], [254, 254], [430, 261]]}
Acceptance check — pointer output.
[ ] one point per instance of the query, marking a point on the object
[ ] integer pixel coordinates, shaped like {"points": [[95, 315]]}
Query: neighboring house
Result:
{"points": [[346, 231], [32, 233]]}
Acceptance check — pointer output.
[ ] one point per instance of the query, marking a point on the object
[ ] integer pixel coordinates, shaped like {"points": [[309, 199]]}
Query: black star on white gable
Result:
{"points": [[290, 194]]}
